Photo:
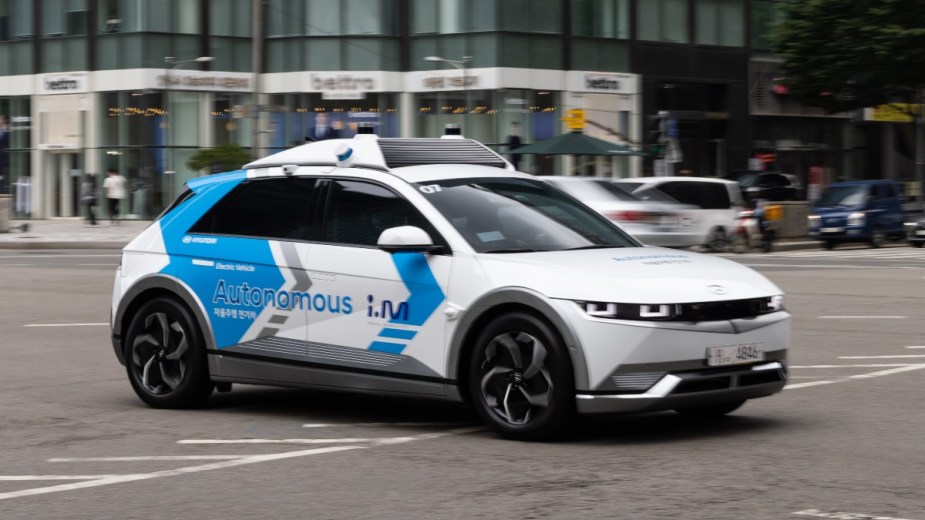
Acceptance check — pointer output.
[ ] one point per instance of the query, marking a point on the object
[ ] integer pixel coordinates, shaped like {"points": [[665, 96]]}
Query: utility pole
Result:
{"points": [[257, 64]]}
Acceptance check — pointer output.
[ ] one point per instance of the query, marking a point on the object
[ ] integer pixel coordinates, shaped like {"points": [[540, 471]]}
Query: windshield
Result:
{"points": [[643, 192], [511, 215], [843, 196]]}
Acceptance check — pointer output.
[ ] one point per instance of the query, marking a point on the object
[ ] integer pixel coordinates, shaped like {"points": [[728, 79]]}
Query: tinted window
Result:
{"points": [[358, 212], [707, 195], [887, 191], [520, 215], [843, 196], [271, 208]]}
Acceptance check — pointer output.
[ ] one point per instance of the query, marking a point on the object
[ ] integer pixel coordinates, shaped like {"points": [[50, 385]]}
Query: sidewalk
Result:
{"points": [[74, 234], [70, 234]]}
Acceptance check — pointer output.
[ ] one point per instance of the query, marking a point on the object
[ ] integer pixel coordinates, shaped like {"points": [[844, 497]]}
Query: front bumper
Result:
{"points": [[692, 388]]}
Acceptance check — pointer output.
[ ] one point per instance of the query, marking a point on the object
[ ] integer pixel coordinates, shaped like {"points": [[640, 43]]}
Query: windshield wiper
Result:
{"points": [[593, 246], [512, 250]]}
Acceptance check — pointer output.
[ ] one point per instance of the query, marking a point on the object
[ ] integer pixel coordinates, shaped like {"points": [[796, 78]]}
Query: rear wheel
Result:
{"points": [[829, 244], [717, 242], [917, 244], [520, 378], [165, 356], [877, 238], [711, 411]]}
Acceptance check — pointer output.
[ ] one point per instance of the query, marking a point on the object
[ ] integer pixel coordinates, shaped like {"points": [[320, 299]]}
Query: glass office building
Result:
{"points": [[142, 85]]}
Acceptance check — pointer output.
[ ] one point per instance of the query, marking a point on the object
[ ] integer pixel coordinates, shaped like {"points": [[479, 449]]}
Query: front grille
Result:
{"points": [[728, 310], [724, 379], [638, 382]]}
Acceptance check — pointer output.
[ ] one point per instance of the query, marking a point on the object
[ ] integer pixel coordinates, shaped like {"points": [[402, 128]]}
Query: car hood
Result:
{"points": [[648, 275]]}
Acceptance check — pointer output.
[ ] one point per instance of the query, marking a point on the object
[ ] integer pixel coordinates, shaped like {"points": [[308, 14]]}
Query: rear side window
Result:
{"points": [[707, 195], [358, 212], [886, 191], [268, 208]]}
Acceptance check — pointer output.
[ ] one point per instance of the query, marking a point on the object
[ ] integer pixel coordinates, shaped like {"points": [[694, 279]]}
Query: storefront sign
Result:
{"points": [[891, 113], [71, 83], [205, 81], [602, 82], [450, 82]]}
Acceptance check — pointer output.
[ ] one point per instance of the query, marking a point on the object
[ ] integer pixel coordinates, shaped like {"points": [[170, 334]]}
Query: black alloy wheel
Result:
{"points": [[520, 378], [165, 356]]}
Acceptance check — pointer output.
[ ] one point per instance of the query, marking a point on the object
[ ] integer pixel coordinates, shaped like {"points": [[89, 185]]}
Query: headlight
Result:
{"points": [[856, 218], [813, 219], [703, 311]]}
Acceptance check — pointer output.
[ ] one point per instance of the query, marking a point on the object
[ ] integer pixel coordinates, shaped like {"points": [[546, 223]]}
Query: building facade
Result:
{"points": [[140, 86]]}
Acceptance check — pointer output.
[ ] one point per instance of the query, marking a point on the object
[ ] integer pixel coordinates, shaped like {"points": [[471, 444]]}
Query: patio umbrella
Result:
{"points": [[575, 143]]}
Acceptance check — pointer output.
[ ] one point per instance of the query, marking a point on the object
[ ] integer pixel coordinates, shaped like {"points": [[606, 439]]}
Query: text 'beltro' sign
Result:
{"points": [[68, 83]]}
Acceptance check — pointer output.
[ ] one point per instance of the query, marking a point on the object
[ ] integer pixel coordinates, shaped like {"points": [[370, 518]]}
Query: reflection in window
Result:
{"points": [[721, 22], [601, 18], [662, 20]]}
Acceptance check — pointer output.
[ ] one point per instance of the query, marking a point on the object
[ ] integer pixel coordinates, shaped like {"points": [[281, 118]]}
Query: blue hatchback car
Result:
{"points": [[858, 211]]}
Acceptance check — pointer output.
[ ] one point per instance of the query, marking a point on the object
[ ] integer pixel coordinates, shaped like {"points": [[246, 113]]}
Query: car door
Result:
{"points": [[247, 272], [375, 319]]}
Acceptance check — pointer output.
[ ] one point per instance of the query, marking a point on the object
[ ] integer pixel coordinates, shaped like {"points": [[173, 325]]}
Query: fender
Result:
{"points": [[528, 298], [175, 287]]}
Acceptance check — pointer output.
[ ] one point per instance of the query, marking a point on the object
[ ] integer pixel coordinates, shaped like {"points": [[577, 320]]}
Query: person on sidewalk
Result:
{"points": [[88, 196], [116, 187]]}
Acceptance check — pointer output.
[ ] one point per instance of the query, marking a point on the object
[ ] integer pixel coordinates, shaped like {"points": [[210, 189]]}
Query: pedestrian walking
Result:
{"points": [[116, 187], [88, 196]]}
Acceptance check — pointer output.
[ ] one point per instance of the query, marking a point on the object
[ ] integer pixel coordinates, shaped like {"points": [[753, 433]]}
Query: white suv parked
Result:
{"points": [[719, 202], [429, 267]]}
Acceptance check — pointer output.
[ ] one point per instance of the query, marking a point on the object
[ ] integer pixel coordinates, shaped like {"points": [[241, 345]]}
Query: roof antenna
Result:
{"points": [[452, 131]]}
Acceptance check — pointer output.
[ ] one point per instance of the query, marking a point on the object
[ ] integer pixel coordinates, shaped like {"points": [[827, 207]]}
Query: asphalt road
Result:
{"points": [[844, 440]]}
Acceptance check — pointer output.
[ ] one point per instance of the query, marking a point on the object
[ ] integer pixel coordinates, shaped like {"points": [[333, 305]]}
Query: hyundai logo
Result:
{"points": [[716, 289]]}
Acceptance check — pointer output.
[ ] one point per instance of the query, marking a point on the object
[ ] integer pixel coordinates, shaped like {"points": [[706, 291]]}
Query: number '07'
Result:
{"points": [[430, 188]]}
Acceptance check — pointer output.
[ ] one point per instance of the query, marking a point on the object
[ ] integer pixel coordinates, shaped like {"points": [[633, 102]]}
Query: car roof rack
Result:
{"points": [[371, 151]]}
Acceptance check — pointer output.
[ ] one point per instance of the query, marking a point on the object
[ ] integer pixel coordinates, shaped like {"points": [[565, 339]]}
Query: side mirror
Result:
{"points": [[407, 239]]}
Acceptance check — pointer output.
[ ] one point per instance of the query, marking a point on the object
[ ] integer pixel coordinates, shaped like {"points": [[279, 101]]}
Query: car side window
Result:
{"points": [[684, 192], [887, 191], [358, 212], [267, 208]]}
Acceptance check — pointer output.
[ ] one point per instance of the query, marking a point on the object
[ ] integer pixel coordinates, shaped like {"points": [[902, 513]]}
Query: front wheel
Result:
{"points": [[917, 244], [165, 356], [877, 238], [717, 242], [520, 378]]}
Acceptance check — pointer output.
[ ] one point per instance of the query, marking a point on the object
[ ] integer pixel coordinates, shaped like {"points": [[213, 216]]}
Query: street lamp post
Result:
{"points": [[463, 66], [168, 162]]}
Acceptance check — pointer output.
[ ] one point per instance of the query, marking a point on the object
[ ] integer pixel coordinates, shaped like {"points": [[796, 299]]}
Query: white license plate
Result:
{"points": [[920, 232], [832, 229], [734, 354]]}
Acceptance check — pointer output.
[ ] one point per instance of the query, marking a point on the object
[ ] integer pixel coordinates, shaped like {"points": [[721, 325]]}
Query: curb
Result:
{"points": [[51, 244]]}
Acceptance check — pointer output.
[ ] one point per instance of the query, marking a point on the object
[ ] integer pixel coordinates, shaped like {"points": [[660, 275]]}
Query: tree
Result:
{"points": [[842, 55], [222, 158]]}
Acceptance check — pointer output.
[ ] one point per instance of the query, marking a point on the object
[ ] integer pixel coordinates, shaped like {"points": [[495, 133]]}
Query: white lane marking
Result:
{"points": [[118, 479], [862, 317], [108, 265], [844, 515], [378, 424], [834, 266], [916, 346], [899, 356], [250, 459], [875, 365], [66, 324], [897, 370], [22, 478], [276, 441], [146, 458], [16, 265]]}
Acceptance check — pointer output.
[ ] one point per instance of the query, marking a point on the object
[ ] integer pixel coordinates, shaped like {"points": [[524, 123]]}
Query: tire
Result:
{"points": [[877, 238], [710, 412], [165, 356], [520, 378], [740, 242], [917, 244], [718, 242], [829, 244]]}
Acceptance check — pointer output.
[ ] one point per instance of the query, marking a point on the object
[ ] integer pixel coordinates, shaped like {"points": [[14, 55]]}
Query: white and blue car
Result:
{"points": [[429, 267]]}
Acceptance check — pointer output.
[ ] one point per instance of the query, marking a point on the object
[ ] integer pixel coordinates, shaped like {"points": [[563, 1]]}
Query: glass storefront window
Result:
{"points": [[21, 19], [284, 17], [601, 18], [350, 17], [230, 17], [721, 22], [230, 123], [64, 17], [662, 20], [765, 13], [15, 153]]}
